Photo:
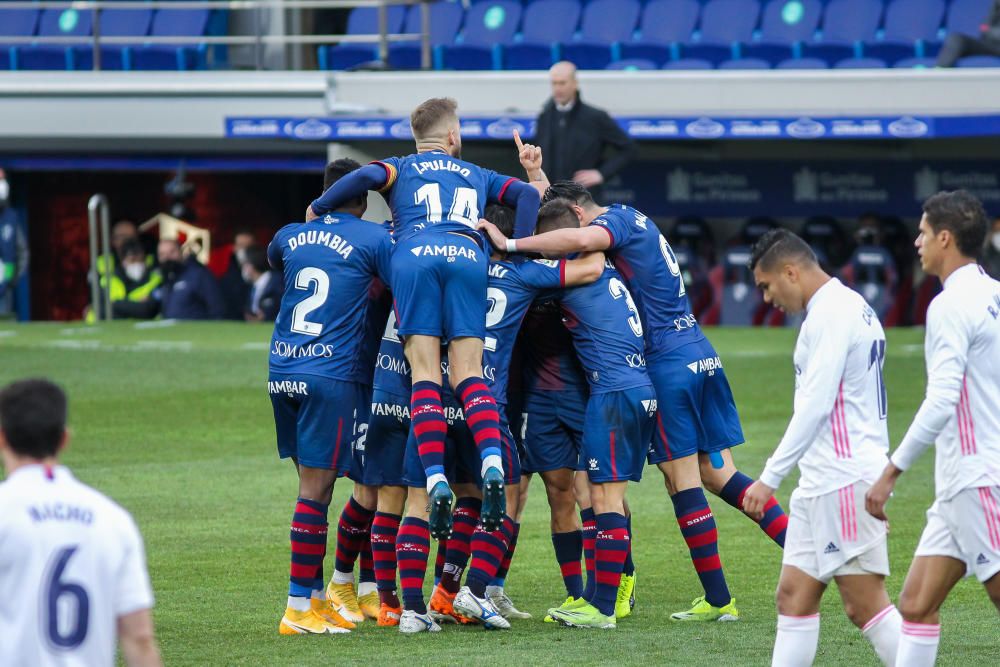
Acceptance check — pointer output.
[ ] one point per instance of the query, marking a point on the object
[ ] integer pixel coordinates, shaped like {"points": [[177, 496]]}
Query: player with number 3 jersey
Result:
{"points": [[697, 422]]}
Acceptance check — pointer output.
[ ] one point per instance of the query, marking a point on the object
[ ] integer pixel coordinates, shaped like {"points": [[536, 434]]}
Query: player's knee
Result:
{"points": [[855, 613], [367, 496], [913, 608]]}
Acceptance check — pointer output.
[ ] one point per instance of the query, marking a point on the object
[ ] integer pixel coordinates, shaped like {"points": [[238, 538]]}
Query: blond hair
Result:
{"points": [[431, 117]]}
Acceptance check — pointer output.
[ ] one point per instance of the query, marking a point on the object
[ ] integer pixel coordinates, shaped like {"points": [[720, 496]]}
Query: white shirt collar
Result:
{"points": [[818, 294], [957, 274], [565, 107], [39, 472]]}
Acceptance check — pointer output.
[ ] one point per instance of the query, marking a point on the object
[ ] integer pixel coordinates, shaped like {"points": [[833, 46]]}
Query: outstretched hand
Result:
{"points": [[755, 498], [496, 237], [529, 154]]}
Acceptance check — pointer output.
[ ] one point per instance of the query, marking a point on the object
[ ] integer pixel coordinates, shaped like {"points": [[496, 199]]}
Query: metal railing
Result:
{"points": [[99, 219], [257, 40]]}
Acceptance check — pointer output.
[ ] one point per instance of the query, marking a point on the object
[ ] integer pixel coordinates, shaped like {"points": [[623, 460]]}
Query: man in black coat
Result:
{"points": [[987, 43], [580, 142]]}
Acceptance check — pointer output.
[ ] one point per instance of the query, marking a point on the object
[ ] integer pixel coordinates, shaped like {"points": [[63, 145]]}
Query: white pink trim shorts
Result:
{"points": [[966, 527], [832, 535]]}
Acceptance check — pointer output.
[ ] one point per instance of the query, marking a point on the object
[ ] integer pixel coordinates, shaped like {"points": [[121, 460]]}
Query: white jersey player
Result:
{"points": [[72, 568], [960, 417], [838, 438]]}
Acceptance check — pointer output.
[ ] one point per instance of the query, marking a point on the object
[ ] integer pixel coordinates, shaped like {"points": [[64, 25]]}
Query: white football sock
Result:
{"points": [[492, 591], [882, 631], [796, 641], [492, 461], [343, 577], [918, 644], [366, 587], [298, 604]]}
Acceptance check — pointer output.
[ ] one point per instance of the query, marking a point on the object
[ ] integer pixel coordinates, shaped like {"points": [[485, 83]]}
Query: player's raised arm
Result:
{"points": [[374, 176], [530, 157], [583, 270]]}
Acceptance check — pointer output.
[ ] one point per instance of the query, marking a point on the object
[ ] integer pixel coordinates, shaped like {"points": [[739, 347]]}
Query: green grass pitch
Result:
{"points": [[175, 424]]}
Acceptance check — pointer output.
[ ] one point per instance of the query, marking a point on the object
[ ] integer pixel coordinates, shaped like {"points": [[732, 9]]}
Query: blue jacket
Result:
{"points": [[192, 295]]}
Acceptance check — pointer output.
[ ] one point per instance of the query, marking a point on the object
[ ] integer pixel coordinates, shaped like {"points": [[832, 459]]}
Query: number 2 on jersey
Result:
{"points": [[464, 204], [304, 280], [67, 605]]}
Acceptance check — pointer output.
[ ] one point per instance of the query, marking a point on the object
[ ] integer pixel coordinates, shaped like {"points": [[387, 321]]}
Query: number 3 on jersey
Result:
{"points": [[618, 290], [464, 204]]}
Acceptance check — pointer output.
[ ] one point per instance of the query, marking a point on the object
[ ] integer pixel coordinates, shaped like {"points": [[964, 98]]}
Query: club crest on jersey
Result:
{"points": [[449, 251], [708, 365]]}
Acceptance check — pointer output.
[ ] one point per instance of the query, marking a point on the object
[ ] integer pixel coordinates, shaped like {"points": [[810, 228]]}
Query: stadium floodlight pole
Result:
{"points": [[383, 28], [425, 35], [98, 206], [97, 37]]}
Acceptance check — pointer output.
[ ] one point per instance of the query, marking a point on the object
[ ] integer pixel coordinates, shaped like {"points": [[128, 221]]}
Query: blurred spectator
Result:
{"points": [[189, 290], [235, 290], [574, 137], [266, 286], [957, 46], [13, 249], [133, 285], [991, 255]]}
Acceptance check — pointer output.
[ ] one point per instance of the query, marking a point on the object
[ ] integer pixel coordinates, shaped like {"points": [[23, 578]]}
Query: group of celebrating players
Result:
{"points": [[571, 328]]}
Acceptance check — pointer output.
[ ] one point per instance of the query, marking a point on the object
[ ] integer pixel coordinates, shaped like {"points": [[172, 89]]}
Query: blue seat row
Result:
{"points": [[506, 34], [130, 23], [795, 63]]}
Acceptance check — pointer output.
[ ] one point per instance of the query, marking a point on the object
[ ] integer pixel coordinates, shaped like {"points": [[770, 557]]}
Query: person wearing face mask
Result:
{"points": [[13, 249], [266, 286], [991, 255], [235, 290], [133, 284], [189, 290]]}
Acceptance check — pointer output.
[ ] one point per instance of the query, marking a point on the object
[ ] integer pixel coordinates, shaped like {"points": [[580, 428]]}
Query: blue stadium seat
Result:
{"points": [[546, 23], [846, 23], [965, 16], [744, 63], [860, 63], [871, 271], [918, 63], [979, 61], [664, 24], [487, 26], [54, 23], [689, 63], [15, 23], [361, 21], [446, 20], [114, 23], [784, 24], [740, 297], [173, 23], [802, 63], [632, 64], [908, 23], [605, 23], [724, 24]]}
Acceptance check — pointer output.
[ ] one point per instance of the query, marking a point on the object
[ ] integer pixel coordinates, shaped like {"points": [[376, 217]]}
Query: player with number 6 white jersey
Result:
{"points": [[73, 574], [838, 436]]}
